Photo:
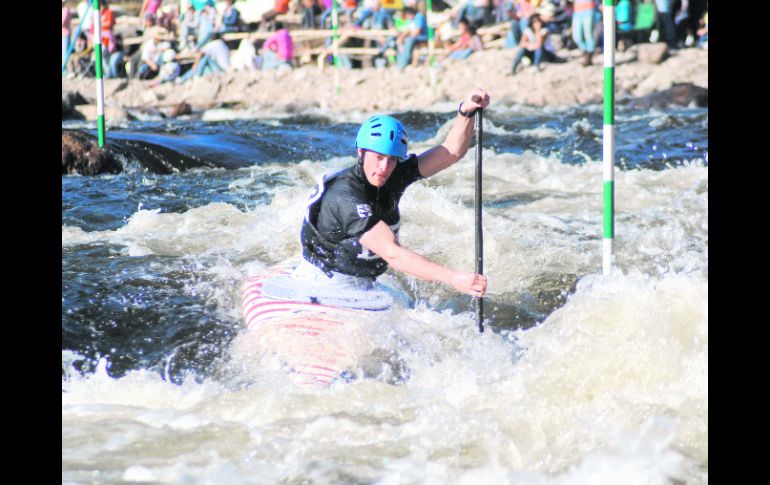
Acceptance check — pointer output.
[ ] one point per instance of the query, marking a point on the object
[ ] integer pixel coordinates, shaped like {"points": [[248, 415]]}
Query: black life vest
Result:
{"points": [[352, 206]]}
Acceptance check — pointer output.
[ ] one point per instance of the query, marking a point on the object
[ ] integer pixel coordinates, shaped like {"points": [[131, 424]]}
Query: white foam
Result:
{"points": [[611, 387]]}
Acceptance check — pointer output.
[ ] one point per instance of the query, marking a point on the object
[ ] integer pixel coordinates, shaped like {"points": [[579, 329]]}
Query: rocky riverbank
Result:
{"points": [[642, 73]]}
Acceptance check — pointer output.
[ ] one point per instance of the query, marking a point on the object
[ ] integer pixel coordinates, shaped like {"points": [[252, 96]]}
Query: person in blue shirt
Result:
{"points": [[230, 19], [417, 32]]}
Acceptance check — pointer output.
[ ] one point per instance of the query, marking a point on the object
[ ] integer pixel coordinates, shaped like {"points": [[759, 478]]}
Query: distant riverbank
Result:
{"points": [[390, 89]]}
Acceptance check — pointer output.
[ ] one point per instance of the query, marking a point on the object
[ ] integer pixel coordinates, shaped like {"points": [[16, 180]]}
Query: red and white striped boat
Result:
{"points": [[314, 340]]}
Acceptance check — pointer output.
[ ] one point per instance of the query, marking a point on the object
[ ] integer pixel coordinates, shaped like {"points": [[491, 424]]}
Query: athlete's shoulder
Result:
{"points": [[346, 185]]}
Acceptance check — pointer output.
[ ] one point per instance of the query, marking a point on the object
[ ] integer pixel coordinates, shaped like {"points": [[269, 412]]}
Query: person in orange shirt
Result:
{"points": [[108, 22], [280, 7]]}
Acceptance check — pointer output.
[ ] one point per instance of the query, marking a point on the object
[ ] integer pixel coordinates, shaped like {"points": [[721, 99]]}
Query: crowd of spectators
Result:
{"points": [[183, 39]]}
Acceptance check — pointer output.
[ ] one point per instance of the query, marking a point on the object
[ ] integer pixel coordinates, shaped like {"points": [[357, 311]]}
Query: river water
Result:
{"points": [[579, 378]]}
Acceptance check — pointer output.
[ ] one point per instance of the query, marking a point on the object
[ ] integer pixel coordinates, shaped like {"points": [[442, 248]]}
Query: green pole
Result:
{"points": [[99, 80], [336, 46], [608, 137]]}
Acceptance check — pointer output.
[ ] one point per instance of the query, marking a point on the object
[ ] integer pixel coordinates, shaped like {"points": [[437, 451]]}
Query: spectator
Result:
{"points": [[599, 29], [513, 36], [502, 10], [198, 21], [680, 16], [79, 62], [168, 17], [417, 32], [169, 70], [107, 23], [474, 11], [583, 28], [327, 4], [148, 14], [376, 17], [115, 62], [151, 53], [199, 5], [230, 20], [188, 25], [703, 32], [624, 16], [535, 45], [664, 22], [66, 28], [213, 57], [268, 18], [206, 19], [218, 55], [278, 49], [468, 43], [524, 10], [348, 8], [555, 19], [380, 17], [695, 11], [401, 24], [310, 9], [85, 20]]}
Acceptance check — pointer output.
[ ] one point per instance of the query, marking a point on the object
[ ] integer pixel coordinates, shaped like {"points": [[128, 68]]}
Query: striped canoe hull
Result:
{"points": [[313, 340]]}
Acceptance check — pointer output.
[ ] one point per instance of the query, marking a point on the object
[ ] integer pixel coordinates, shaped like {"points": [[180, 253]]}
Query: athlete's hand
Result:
{"points": [[478, 98], [470, 283]]}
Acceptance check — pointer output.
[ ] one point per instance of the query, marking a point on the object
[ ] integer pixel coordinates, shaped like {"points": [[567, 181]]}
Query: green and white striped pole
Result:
{"points": [[99, 80], [336, 46], [431, 43], [608, 136]]}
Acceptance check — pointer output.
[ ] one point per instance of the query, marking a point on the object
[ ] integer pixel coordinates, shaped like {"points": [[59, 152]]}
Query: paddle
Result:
{"points": [[479, 302]]}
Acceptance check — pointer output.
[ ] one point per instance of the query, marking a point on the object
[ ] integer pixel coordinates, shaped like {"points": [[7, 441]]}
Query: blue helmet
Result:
{"points": [[383, 134]]}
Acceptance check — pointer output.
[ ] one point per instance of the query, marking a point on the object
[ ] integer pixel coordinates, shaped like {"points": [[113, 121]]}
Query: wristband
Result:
{"points": [[463, 113]]}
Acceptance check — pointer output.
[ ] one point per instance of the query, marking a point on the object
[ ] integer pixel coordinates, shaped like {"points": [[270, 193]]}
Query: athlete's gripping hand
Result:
{"points": [[477, 98], [470, 283]]}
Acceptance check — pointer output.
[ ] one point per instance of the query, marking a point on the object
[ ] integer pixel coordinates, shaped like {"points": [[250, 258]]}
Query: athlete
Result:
{"points": [[350, 232]]}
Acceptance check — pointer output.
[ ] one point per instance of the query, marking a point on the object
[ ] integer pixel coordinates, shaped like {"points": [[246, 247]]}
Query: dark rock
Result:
{"points": [[683, 94], [110, 88], [180, 109], [68, 103], [80, 154], [156, 158], [75, 98]]}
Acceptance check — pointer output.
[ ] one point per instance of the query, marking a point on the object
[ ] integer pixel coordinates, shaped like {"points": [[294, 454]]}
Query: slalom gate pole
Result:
{"points": [[99, 80], [74, 39], [608, 137]]}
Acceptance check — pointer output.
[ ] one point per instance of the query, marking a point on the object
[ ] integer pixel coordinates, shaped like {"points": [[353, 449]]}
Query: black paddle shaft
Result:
{"points": [[477, 205]]}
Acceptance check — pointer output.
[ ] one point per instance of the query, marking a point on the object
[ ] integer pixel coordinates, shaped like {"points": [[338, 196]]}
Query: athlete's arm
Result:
{"points": [[381, 240], [457, 141]]}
